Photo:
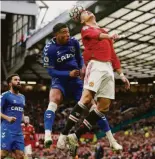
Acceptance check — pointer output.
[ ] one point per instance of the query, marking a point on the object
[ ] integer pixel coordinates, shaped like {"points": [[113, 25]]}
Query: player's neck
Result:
{"points": [[92, 23], [14, 91], [59, 42]]}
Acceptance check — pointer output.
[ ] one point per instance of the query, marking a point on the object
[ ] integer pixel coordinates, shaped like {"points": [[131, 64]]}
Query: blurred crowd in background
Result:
{"points": [[125, 107], [137, 138]]}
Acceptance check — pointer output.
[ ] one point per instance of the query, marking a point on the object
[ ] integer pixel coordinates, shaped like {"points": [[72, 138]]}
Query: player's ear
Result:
{"points": [[55, 34], [9, 84], [81, 20]]}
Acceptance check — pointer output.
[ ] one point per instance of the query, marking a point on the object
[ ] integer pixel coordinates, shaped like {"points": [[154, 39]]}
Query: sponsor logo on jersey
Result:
{"points": [[65, 57], [20, 109], [46, 59]]}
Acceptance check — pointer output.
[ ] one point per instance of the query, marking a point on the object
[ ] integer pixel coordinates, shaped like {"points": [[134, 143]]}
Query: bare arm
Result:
{"points": [[119, 71], [8, 118], [123, 78], [104, 36]]}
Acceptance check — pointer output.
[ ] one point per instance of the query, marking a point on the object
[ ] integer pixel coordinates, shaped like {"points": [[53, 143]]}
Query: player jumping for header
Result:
{"points": [[101, 60]]}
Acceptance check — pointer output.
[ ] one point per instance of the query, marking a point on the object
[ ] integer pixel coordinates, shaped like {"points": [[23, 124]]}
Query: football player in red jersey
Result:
{"points": [[99, 84], [29, 136]]}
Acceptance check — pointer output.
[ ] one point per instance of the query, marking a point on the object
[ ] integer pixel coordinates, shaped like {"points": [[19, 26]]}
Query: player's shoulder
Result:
{"points": [[5, 94], [49, 46], [22, 95], [50, 43], [74, 40]]}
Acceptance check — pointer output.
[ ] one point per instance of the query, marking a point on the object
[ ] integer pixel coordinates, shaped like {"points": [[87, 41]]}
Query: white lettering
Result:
{"points": [[65, 57], [17, 108]]}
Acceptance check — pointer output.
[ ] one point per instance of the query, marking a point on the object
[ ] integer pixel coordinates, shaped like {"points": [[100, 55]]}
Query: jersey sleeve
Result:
{"points": [[2, 101], [49, 61], [78, 56], [115, 60], [88, 32], [48, 57]]}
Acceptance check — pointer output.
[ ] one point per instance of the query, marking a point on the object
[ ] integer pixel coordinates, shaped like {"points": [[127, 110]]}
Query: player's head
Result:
{"points": [[61, 32], [26, 120], [81, 15], [14, 82], [86, 16]]}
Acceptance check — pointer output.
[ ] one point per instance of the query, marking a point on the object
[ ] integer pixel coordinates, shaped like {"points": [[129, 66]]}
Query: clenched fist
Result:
{"points": [[11, 119], [74, 73]]}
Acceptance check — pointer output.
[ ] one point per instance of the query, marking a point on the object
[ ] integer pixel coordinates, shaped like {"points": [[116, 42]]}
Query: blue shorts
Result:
{"points": [[71, 88], [11, 141]]}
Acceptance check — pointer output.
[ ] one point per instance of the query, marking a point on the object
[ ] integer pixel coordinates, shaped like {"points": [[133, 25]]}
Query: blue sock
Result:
{"points": [[103, 124], [49, 117]]}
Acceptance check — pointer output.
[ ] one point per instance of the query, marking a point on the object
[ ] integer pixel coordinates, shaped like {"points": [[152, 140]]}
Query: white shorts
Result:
{"points": [[28, 150], [100, 79]]}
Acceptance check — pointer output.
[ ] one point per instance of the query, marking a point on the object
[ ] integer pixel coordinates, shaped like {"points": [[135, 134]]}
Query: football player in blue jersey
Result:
{"points": [[12, 107], [63, 60]]}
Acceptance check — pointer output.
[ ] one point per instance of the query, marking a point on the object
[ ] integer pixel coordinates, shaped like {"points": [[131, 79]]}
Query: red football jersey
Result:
{"points": [[29, 134], [101, 50]]}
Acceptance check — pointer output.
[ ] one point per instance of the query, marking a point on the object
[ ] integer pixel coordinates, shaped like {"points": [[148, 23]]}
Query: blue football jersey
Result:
{"points": [[63, 57], [12, 105]]}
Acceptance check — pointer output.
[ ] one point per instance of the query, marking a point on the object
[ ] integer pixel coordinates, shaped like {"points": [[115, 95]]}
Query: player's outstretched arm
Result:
{"points": [[106, 36], [10, 119]]}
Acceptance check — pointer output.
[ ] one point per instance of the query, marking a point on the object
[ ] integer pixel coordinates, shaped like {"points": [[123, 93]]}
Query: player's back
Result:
{"points": [[61, 57], [13, 105]]}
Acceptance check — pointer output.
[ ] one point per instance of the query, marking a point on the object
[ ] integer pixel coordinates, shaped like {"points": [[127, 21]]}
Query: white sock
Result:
{"points": [[110, 136], [47, 134]]}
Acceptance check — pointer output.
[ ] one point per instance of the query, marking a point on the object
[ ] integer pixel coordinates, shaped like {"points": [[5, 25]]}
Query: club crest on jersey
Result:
{"points": [[72, 49]]}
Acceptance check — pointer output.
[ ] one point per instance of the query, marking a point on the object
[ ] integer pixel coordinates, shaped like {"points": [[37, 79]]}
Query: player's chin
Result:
{"points": [[91, 16], [66, 40], [18, 86]]}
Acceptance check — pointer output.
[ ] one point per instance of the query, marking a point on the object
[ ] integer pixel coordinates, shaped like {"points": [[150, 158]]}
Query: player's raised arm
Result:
{"points": [[78, 55], [89, 32], [80, 60]]}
